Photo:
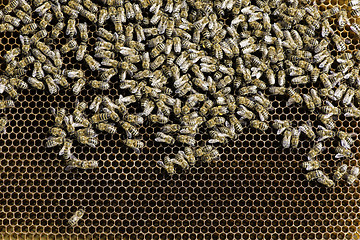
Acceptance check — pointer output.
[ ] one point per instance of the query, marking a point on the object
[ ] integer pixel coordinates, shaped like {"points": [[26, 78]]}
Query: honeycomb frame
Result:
{"points": [[257, 190]]}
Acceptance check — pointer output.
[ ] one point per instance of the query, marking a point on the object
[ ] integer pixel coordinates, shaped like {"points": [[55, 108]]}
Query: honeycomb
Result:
{"points": [[256, 191]]}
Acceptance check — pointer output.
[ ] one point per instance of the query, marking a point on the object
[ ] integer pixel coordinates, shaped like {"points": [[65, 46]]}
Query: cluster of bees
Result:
{"points": [[190, 66]]}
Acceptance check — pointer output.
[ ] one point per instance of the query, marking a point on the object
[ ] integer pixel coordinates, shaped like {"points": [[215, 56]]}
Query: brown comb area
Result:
{"points": [[257, 189]]}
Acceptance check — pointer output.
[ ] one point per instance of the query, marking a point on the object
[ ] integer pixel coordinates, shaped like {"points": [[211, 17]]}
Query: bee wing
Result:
{"points": [[160, 164], [62, 151], [290, 102], [211, 141], [2, 88], [68, 168], [339, 155], [66, 120], [345, 144], [159, 139], [53, 110], [137, 150], [279, 131], [78, 125]]}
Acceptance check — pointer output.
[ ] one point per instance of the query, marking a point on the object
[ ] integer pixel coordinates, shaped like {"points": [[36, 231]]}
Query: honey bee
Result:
{"points": [[73, 221], [262, 126], [133, 119], [135, 144], [210, 156], [348, 97], [286, 141], [25, 5], [87, 132], [3, 123], [300, 80], [90, 141], [281, 126], [326, 181], [186, 139], [108, 74], [69, 46], [91, 62], [38, 55], [18, 83], [73, 73], [106, 127], [171, 128], [315, 98], [309, 102], [25, 44], [340, 172], [324, 133], [294, 97], [189, 130], [45, 49], [311, 165], [314, 175], [78, 86], [56, 8], [12, 20], [158, 119], [215, 121], [7, 27], [57, 58], [346, 139], [343, 152], [352, 176], [76, 163], [130, 129], [352, 111], [59, 114], [66, 149], [44, 8], [10, 67], [45, 21], [99, 85], [23, 16], [315, 150], [112, 114], [125, 100], [218, 110], [10, 55], [54, 141], [277, 90], [306, 128], [339, 42], [181, 161], [327, 121], [167, 164], [9, 89], [201, 151], [56, 30], [26, 61], [81, 51], [103, 16], [165, 138], [148, 107], [70, 11], [103, 33]]}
